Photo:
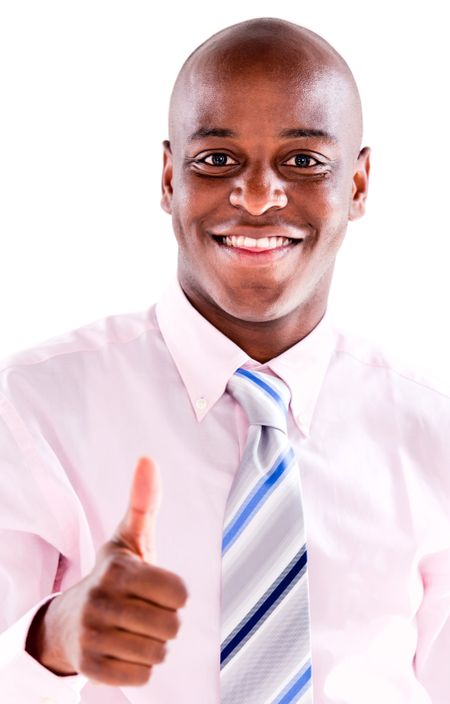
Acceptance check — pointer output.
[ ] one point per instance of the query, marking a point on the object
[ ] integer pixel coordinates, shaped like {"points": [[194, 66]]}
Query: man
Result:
{"points": [[263, 170]]}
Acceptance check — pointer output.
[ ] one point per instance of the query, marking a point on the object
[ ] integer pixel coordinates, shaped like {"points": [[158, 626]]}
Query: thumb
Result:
{"points": [[137, 529]]}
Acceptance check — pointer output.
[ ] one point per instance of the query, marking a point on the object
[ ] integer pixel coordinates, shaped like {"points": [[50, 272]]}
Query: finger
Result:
{"points": [[138, 527], [135, 615], [123, 645], [104, 669]]}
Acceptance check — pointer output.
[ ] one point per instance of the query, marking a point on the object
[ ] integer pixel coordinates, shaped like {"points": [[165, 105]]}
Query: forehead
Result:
{"points": [[253, 98]]}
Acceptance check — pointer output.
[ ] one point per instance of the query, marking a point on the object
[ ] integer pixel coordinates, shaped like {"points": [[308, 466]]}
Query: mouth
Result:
{"points": [[261, 249]]}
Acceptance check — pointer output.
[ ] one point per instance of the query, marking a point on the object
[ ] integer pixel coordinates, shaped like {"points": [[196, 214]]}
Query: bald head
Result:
{"points": [[265, 143], [272, 49]]}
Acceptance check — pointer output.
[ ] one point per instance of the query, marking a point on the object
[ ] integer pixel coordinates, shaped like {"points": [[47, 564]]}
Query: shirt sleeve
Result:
{"points": [[432, 657], [23, 679], [35, 539]]}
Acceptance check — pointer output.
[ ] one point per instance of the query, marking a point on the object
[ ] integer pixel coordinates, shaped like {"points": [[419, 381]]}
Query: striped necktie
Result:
{"points": [[265, 621]]}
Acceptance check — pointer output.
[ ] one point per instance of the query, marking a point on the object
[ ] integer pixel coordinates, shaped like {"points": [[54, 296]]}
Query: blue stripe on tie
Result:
{"points": [[298, 683], [256, 499], [264, 385], [273, 596]]}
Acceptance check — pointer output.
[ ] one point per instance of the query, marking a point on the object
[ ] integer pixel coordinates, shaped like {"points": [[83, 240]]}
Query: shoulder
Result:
{"points": [[396, 401], [380, 362], [98, 335], [75, 362]]}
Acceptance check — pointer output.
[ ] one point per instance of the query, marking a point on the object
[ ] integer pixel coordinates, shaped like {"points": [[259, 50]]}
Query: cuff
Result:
{"points": [[23, 680]]}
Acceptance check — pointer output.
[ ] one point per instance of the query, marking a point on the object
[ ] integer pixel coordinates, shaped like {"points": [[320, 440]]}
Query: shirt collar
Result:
{"points": [[206, 358]]}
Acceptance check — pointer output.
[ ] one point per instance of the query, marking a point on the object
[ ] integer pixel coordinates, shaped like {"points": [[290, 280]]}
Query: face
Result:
{"points": [[261, 178]]}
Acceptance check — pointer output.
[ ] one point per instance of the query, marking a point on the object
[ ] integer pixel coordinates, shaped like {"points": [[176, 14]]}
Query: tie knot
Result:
{"points": [[264, 398]]}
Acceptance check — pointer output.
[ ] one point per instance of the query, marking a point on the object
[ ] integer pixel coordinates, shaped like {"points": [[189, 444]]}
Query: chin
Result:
{"points": [[255, 311]]}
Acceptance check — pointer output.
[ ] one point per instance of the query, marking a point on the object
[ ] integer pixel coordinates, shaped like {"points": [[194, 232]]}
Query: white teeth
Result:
{"points": [[262, 243]]}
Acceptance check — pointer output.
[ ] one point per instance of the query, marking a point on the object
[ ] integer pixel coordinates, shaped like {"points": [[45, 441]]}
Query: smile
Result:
{"points": [[256, 245], [251, 243]]}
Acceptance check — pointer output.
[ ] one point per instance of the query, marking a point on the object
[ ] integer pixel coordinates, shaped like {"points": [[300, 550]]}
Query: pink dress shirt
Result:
{"points": [[371, 439]]}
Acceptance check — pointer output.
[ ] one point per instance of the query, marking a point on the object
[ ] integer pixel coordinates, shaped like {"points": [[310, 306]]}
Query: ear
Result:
{"points": [[167, 175], [360, 185]]}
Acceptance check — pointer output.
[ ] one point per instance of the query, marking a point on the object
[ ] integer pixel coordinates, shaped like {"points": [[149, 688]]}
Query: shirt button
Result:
{"points": [[201, 404]]}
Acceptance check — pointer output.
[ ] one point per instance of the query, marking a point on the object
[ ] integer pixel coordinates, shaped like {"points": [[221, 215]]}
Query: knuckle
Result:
{"points": [[129, 673], [95, 592], [88, 615], [180, 592], [173, 625], [89, 637], [101, 609], [142, 675], [160, 652], [93, 602], [115, 568], [89, 665], [96, 604], [114, 672], [148, 651]]}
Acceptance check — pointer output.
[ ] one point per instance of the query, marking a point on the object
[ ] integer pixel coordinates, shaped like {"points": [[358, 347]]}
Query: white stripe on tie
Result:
{"points": [[265, 620]]}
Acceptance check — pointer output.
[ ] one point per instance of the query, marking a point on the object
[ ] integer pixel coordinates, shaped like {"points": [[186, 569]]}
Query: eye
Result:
{"points": [[303, 161], [217, 159]]}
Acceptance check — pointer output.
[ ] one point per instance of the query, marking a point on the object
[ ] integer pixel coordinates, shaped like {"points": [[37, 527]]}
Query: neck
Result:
{"points": [[263, 340]]}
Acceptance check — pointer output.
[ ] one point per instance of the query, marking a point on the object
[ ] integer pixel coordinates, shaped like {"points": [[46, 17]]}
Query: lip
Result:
{"points": [[259, 232], [257, 256]]}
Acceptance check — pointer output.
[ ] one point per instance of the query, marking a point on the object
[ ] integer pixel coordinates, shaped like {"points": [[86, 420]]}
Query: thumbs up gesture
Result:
{"points": [[137, 530], [113, 625]]}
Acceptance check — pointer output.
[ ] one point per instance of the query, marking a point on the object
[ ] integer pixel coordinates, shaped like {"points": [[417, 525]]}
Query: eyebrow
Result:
{"points": [[298, 132], [211, 132], [294, 132]]}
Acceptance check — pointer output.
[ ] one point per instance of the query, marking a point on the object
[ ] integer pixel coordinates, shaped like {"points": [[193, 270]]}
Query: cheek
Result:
{"points": [[195, 201], [324, 204]]}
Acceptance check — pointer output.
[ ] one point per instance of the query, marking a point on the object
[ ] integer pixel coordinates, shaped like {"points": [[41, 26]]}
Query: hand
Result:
{"points": [[113, 625]]}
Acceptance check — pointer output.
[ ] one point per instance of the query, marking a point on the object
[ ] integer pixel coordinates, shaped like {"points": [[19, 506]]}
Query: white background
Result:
{"points": [[84, 91]]}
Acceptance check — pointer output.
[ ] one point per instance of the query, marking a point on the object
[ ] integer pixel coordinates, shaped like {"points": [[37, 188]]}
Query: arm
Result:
{"points": [[125, 607], [30, 547], [26, 581]]}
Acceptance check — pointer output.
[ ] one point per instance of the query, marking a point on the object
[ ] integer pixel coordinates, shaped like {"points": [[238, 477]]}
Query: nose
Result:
{"points": [[258, 191]]}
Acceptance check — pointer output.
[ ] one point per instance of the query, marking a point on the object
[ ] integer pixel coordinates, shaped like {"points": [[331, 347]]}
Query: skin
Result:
{"points": [[256, 79], [114, 624], [241, 80]]}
